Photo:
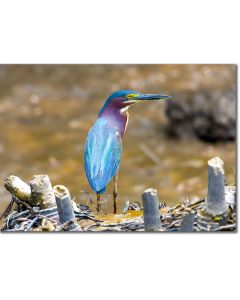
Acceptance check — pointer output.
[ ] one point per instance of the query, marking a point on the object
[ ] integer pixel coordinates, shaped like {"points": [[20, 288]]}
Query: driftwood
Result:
{"points": [[18, 188], [42, 193]]}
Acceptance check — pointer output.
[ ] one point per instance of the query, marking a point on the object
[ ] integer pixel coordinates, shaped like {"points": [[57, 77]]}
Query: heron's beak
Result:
{"points": [[146, 97]]}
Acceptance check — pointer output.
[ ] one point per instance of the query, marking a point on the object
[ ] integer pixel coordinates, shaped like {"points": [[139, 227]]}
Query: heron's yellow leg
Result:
{"points": [[98, 203], [115, 193]]}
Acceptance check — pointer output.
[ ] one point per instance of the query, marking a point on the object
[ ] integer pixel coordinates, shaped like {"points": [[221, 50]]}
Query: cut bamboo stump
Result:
{"points": [[215, 202], [42, 193], [65, 209], [215, 210], [187, 223], [151, 213], [18, 188]]}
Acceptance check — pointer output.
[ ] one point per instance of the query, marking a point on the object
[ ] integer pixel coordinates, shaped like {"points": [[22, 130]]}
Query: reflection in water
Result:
{"points": [[46, 112]]}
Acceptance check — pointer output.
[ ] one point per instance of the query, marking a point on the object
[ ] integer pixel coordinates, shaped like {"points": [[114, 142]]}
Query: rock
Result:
{"points": [[209, 115]]}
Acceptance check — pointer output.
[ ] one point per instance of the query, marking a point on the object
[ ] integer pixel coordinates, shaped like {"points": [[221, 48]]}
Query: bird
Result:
{"points": [[103, 145]]}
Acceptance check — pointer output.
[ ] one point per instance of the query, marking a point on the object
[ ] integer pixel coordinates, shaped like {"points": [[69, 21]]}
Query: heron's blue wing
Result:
{"points": [[102, 155]]}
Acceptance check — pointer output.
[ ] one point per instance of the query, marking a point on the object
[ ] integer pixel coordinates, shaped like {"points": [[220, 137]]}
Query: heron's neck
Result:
{"points": [[116, 118]]}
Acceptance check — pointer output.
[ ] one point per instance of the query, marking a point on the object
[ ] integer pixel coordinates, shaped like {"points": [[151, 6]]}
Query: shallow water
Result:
{"points": [[45, 114]]}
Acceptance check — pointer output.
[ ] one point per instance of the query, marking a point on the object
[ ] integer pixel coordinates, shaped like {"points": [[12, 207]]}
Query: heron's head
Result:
{"points": [[124, 98]]}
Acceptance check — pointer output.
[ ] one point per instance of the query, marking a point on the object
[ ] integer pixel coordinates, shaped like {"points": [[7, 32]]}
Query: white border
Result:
{"points": [[109, 266]]}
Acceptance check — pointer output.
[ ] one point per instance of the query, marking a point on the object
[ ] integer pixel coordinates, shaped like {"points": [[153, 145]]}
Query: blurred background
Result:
{"points": [[47, 110]]}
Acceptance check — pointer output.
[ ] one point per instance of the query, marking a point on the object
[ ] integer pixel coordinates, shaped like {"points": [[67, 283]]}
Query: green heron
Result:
{"points": [[103, 147]]}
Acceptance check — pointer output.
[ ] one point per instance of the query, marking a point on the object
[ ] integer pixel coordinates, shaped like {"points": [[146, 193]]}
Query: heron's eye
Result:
{"points": [[129, 96]]}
